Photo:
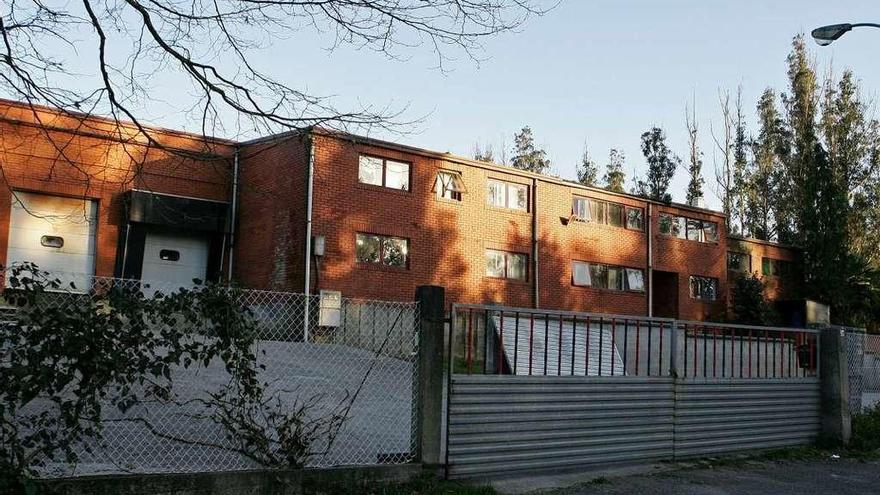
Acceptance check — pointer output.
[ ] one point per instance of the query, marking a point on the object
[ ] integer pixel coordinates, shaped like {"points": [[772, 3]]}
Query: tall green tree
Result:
{"points": [[661, 166], [615, 177], [769, 151], [587, 172], [526, 156], [800, 108]]}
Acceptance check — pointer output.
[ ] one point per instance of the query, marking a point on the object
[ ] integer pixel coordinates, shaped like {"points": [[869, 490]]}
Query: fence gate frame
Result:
{"points": [[623, 388]]}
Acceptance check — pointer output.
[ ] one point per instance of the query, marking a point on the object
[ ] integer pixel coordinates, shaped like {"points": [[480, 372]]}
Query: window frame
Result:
{"points": [[508, 255], [690, 225], [457, 196], [604, 273], [385, 172], [507, 196], [381, 253], [603, 208], [748, 258], [777, 267], [702, 279]]}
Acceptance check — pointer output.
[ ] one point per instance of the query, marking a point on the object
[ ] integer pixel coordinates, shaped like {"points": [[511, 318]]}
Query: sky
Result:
{"points": [[594, 72]]}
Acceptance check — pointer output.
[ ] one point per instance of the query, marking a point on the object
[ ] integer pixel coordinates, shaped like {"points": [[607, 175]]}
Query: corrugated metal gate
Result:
{"points": [[543, 390]]}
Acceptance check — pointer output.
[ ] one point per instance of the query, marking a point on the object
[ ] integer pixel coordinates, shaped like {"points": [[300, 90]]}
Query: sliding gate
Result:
{"points": [[535, 390]]}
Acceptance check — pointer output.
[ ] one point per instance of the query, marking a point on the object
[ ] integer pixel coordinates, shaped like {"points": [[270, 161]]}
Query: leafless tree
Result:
{"points": [[102, 57], [724, 145]]}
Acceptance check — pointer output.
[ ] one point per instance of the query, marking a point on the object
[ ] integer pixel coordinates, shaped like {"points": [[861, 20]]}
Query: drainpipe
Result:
{"points": [[308, 273], [232, 213], [650, 233], [535, 239]]}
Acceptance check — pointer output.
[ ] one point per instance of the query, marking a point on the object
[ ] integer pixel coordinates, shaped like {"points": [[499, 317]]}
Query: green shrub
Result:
{"points": [[866, 430]]}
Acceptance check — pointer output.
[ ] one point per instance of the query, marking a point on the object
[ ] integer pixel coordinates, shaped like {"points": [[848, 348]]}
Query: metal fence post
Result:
{"points": [[834, 386], [432, 310]]}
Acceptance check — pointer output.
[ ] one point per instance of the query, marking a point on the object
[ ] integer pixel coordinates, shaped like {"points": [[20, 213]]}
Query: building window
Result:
{"points": [[704, 288], [508, 195], [739, 262], [691, 229], [775, 268], [169, 255], [603, 276], [635, 219], [501, 264], [52, 241], [382, 250], [449, 185], [381, 172], [604, 212]]}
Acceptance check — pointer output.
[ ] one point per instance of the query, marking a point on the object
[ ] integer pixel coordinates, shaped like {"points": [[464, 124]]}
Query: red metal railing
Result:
{"points": [[737, 351], [498, 340]]}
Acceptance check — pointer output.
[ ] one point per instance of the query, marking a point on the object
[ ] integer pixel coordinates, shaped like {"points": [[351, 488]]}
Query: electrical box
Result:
{"points": [[330, 310], [318, 242]]}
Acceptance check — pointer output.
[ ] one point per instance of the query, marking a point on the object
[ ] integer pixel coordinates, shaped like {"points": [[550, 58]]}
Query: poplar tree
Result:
{"points": [[526, 156], [661, 166], [695, 165], [615, 177]]}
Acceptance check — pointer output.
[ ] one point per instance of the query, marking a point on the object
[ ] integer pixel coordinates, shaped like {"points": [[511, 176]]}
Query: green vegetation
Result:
{"points": [[866, 432]]}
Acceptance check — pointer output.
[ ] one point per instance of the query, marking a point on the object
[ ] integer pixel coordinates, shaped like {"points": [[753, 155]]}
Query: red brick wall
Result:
{"points": [[774, 287], [270, 230], [563, 241], [87, 158], [448, 239]]}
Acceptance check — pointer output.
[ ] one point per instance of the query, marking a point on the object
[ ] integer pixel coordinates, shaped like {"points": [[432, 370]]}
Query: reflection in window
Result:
{"points": [[507, 195], [739, 262], [501, 264], [688, 228], [381, 172], [52, 241], [704, 288], [604, 212], [382, 250], [603, 276]]}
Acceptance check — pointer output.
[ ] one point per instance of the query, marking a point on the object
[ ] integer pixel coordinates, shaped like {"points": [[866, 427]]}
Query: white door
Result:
{"points": [[56, 233], [173, 260]]}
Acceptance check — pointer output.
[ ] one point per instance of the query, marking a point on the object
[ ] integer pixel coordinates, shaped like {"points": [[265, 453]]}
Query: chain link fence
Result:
{"points": [[863, 367], [327, 356]]}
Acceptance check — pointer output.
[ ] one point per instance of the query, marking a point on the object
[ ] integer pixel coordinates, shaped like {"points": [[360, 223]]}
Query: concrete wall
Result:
{"points": [[268, 482]]}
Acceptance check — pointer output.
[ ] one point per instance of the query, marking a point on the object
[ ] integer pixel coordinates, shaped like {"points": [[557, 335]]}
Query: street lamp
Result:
{"points": [[826, 34]]}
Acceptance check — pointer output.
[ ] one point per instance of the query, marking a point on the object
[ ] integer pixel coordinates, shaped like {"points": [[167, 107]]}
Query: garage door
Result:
{"points": [[173, 260], [56, 233]]}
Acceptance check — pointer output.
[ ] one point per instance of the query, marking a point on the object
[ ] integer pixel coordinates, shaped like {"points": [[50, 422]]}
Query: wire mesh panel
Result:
{"points": [[338, 377], [863, 367]]}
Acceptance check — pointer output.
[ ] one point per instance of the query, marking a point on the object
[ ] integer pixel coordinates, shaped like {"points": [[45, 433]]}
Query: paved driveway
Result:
{"points": [[839, 477]]}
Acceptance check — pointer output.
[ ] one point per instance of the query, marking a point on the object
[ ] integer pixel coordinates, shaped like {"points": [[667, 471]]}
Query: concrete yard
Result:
{"points": [[377, 430]]}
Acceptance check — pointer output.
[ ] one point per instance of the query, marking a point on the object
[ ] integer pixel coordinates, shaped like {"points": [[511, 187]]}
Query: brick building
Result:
{"points": [[383, 218]]}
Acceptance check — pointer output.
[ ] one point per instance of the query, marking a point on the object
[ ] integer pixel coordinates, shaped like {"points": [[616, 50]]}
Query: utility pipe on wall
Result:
{"points": [[535, 240], [650, 282], [308, 273], [232, 214]]}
